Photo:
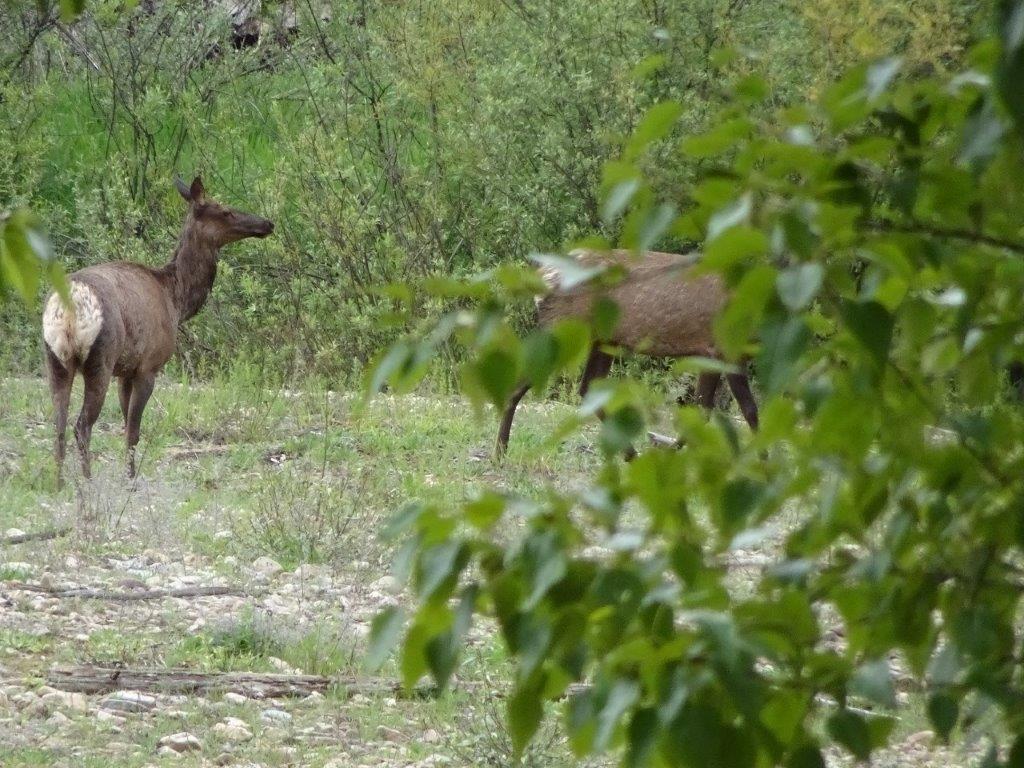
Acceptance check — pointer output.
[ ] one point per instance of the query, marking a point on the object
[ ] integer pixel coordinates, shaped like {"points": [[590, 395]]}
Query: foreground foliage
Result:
{"points": [[875, 250]]}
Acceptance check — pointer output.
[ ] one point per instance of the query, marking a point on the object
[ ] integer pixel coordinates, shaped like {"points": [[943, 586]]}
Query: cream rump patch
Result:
{"points": [[70, 332]]}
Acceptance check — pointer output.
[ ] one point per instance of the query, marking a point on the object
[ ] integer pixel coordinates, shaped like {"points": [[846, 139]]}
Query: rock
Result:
{"points": [[282, 666], [385, 584], [134, 702], [233, 730], [314, 697], [921, 738], [234, 698], [223, 535], [182, 741], [168, 751], [389, 734], [106, 716], [275, 716], [309, 572], [58, 719], [224, 758], [430, 736], [12, 532], [65, 700], [266, 566]]}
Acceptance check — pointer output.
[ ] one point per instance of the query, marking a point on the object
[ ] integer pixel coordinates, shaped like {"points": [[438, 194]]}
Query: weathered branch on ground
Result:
{"points": [[142, 594], [44, 535], [96, 679], [91, 679]]}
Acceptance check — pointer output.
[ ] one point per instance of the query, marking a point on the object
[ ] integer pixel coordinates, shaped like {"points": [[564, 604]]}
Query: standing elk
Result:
{"points": [[664, 311], [123, 320]]}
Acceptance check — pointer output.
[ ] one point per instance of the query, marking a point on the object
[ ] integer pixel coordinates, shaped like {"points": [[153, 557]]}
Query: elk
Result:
{"points": [[665, 310], [122, 321]]}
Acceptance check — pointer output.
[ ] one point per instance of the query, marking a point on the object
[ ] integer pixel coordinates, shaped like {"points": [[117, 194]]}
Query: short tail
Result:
{"points": [[70, 332]]}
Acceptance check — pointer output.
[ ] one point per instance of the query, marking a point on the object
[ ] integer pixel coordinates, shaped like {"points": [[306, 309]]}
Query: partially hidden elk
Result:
{"points": [[666, 310], [122, 321]]}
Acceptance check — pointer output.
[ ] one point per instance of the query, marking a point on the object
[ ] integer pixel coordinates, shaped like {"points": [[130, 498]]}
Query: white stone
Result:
{"points": [[12, 532], [233, 732], [66, 700], [234, 698], [182, 741], [266, 566], [275, 716], [129, 701]]}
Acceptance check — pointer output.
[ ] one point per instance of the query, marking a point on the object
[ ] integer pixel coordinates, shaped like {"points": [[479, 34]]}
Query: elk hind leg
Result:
{"points": [[61, 380], [97, 380], [141, 389]]}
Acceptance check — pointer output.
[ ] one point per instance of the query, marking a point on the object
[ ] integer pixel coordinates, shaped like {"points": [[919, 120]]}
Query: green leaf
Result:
{"points": [[1010, 70], [806, 756], [655, 125], [736, 213], [851, 730], [880, 75], [719, 139], [71, 9], [621, 697], [782, 344], [384, 632], [497, 371], [736, 325], [570, 271], [525, 711], [798, 285], [873, 681], [943, 712], [618, 199], [872, 325], [437, 565]]}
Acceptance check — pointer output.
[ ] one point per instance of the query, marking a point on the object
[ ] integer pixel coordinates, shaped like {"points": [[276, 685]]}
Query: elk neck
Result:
{"points": [[192, 270]]}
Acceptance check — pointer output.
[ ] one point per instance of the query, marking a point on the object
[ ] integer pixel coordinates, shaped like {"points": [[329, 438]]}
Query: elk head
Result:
{"points": [[220, 224]]}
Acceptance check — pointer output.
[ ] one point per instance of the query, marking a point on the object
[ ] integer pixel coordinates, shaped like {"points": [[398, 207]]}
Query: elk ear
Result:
{"points": [[197, 193], [182, 189]]}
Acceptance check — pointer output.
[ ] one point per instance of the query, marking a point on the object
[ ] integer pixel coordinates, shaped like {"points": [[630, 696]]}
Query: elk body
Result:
{"points": [[124, 317], [664, 311]]}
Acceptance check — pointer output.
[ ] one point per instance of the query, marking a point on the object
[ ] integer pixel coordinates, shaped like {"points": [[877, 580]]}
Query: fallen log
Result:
{"points": [[44, 535], [94, 679], [255, 685], [141, 594]]}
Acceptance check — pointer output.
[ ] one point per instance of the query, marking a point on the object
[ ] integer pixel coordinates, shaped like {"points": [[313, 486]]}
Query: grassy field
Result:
{"points": [[280, 495]]}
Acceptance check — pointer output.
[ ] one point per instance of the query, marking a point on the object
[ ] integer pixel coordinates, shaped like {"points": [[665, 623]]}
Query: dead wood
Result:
{"points": [[142, 594], [44, 535]]}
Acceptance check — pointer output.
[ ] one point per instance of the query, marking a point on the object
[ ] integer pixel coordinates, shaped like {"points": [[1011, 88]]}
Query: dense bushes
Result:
{"points": [[394, 141]]}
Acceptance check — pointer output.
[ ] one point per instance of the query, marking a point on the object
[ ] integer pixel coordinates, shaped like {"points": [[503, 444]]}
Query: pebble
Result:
{"points": [[168, 751], [920, 738], [12, 532], [181, 742], [276, 716], [106, 716], [389, 734], [233, 730], [74, 701], [134, 702], [58, 719], [234, 698], [266, 566]]}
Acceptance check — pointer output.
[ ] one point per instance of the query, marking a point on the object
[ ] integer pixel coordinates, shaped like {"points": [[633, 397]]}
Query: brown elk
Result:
{"points": [[664, 311], [123, 320]]}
